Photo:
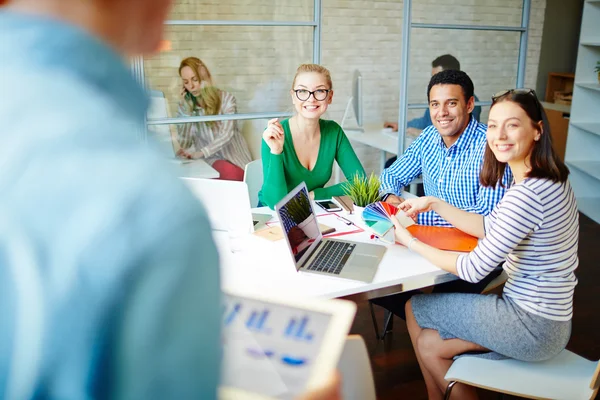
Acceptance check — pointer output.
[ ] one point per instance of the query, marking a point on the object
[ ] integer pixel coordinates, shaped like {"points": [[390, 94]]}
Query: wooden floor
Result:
{"points": [[397, 375]]}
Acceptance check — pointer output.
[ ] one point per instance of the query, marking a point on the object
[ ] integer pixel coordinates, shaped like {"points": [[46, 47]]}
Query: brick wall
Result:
{"points": [[257, 64]]}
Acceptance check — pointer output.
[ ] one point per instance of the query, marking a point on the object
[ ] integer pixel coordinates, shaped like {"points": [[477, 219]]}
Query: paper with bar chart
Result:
{"points": [[269, 348]]}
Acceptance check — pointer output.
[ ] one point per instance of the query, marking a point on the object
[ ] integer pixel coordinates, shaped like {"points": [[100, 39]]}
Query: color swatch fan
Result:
{"points": [[377, 217]]}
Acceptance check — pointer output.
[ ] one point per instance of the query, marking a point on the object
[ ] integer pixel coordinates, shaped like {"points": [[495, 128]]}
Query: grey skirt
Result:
{"points": [[496, 323]]}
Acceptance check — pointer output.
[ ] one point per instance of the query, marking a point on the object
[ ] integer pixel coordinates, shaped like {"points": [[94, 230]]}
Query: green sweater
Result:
{"points": [[283, 172]]}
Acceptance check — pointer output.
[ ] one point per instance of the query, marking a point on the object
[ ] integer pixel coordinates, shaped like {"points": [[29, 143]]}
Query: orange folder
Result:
{"points": [[444, 238]]}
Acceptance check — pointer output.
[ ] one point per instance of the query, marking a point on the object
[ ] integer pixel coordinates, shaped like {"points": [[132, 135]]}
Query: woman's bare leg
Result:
{"points": [[414, 330], [437, 355]]}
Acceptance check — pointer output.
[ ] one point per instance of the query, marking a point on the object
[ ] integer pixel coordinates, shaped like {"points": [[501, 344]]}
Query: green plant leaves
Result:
{"points": [[363, 190]]}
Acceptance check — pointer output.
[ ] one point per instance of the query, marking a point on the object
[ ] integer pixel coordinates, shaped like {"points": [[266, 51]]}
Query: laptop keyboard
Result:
{"points": [[332, 257]]}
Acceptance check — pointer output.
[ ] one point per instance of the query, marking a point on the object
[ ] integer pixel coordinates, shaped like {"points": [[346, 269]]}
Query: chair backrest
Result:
{"points": [[253, 176], [355, 367], [497, 281], [252, 131], [595, 384]]}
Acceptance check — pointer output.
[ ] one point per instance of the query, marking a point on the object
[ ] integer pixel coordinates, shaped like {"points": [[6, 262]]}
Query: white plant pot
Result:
{"points": [[358, 210], [358, 219], [310, 227]]}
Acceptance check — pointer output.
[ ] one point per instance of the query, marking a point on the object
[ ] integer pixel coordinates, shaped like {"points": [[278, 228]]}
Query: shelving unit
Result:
{"points": [[583, 144]]}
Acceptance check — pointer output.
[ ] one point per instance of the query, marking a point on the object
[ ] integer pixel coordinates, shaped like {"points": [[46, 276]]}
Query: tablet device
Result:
{"points": [[280, 348]]}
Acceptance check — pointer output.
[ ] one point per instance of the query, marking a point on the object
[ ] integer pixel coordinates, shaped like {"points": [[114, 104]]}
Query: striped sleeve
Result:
{"points": [[227, 128], [520, 213]]}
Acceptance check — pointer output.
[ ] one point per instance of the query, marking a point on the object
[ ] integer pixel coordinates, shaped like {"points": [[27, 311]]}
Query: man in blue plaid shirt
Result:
{"points": [[448, 154]]}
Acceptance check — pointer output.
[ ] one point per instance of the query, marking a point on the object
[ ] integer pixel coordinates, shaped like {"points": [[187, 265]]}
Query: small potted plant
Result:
{"points": [[597, 70], [363, 190]]}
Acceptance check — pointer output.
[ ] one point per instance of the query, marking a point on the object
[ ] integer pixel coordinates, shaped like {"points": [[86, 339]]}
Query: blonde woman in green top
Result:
{"points": [[304, 147]]}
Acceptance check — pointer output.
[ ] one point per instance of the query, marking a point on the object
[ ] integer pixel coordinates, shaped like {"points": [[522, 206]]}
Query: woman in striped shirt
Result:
{"points": [[218, 142], [533, 231]]}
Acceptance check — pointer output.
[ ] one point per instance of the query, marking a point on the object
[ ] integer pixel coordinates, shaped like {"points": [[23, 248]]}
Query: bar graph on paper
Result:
{"points": [[266, 344], [256, 320], [297, 330]]}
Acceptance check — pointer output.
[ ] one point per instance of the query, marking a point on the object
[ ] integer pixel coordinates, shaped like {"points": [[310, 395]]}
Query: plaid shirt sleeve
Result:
{"points": [[404, 170]]}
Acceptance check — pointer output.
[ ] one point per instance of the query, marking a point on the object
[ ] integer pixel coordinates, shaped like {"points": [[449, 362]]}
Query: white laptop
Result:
{"points": [[280, 348], [227, 204], [312, 253], [163, 134]]}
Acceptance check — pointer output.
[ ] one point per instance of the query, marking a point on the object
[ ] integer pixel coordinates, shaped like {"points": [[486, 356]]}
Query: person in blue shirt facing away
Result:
{"points": [[449, 155], [109, 277], [415, 126]]}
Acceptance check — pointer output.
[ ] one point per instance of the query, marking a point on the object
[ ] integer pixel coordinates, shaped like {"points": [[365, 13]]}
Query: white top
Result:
{"points": [[535, 231]]}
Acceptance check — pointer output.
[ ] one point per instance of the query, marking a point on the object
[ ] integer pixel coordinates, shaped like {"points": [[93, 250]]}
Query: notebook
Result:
{"points": [[280, 348], [444, 238]]}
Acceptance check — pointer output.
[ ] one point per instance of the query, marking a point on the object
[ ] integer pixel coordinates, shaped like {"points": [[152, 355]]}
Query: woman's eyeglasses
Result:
{"points": [[319, 94], [510, 91]]}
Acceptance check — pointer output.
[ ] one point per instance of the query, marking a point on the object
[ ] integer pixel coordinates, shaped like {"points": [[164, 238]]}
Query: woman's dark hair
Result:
{"points": [[452, 77], [544, 161]]}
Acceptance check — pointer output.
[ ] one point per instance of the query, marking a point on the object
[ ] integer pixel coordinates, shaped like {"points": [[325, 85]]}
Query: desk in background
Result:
{"points": [[264, 267], [197, 169], [373, 136]]}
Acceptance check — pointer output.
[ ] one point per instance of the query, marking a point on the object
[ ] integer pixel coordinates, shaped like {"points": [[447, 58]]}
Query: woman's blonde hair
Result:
{"points": [[210, 96], [313, 68]]}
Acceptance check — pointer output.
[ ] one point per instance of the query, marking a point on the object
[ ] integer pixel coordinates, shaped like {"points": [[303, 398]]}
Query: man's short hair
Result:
{"points": [[452, 77], [447, 61]]}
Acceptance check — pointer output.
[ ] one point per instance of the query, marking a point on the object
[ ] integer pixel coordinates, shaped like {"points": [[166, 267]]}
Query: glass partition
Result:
{"points": [[236, 10], [255, 64]]}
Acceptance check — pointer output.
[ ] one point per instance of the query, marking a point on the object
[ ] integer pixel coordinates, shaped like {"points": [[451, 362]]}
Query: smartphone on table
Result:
{"points": [[328, 205]]}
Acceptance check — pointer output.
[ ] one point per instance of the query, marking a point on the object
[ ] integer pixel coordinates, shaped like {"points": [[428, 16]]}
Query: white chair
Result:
{"points": [[253, 176], [355, 368], [567, 376]]}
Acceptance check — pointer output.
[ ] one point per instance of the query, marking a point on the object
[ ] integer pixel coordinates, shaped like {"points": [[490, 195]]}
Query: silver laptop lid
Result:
{"points": [[299, 224]]}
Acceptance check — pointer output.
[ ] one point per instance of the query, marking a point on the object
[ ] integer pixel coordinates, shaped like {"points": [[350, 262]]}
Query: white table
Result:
{"points": [[197, 169], [263, 267]]}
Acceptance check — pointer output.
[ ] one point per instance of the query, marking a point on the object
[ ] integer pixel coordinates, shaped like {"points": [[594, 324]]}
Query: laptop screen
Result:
{"points": [[299, 222], [269, 348]]}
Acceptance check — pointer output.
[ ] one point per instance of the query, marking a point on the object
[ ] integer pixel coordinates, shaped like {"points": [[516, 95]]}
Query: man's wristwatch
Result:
{"points": [[385, 196]]}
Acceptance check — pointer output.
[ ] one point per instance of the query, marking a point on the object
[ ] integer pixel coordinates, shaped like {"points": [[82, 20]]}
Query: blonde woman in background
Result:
{"points": [[218, 142]]}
